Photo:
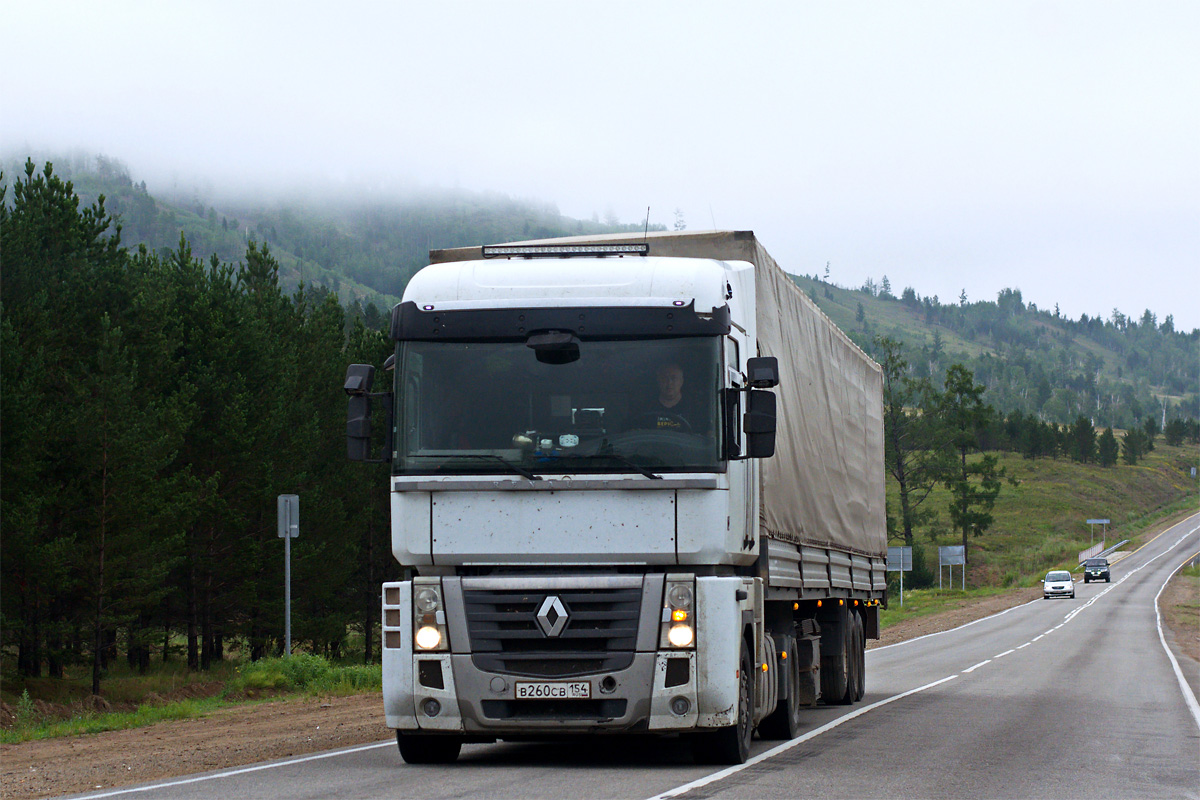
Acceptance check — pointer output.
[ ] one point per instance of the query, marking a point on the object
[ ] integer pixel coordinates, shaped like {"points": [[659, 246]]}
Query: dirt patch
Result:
{"points": [[225, 738], [1180, 606]]}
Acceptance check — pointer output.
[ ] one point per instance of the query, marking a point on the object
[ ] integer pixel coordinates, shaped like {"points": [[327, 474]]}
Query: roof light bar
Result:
{"points": [[560, 250]]}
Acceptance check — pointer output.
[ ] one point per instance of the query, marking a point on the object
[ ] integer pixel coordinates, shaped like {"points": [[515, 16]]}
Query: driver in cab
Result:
{"points": [[670, 410]]}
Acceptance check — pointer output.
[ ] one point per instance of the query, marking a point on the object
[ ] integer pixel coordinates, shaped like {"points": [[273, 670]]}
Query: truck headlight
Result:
{"points": [[681, 636], [429, 618], [428, 637], [678, 618]]}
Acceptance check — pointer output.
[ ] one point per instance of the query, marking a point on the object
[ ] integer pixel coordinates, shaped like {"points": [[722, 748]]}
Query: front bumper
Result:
{"points": [[654, 690]]}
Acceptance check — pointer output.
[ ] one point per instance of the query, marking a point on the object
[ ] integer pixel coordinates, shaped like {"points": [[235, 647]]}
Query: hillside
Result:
{"points": [[1116, 372], [364, 250]]}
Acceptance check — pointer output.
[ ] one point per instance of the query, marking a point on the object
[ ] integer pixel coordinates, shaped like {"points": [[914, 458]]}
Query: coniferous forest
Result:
{"points": [[154, 406], [168, 372]]}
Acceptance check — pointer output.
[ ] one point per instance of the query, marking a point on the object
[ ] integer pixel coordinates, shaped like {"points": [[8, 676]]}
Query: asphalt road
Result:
{"points": [[1059, 698]]}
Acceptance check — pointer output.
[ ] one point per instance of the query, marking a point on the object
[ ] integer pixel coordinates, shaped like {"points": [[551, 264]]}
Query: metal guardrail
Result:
{"points": [[1103, 553], [1091, 552]]}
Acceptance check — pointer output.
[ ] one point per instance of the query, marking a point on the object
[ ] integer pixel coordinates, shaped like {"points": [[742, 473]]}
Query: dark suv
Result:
{"points": [[1094, 569]]}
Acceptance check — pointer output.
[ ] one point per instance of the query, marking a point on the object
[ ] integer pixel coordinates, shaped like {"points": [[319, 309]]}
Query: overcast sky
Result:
{"points": [[1046, 146]]}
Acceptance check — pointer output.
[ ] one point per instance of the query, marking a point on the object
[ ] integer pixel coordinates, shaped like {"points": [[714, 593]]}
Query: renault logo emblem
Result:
{"points": [[552, 616]]}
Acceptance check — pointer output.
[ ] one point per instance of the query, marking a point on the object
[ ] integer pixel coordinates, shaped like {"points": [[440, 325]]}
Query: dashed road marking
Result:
{"points": [[761, 757]]}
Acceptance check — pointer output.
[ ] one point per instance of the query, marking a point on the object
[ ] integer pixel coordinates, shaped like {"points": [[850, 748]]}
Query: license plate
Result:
{"points": [[543, 690]]}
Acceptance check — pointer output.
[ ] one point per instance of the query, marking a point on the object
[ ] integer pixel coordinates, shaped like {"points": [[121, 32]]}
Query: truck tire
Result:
{"points": [[860, 657], [784, 721], [836, 677], [416, 748], [731, 745]]}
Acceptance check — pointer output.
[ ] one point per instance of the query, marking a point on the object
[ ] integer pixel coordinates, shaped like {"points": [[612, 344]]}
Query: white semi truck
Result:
{"points": [[637, 487]]}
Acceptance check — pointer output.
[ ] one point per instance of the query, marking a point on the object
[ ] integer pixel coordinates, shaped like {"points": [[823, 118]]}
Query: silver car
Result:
{"points": [[1058, 583]]}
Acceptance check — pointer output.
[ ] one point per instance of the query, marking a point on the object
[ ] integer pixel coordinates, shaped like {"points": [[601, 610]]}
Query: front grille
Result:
{"points": [[600, 634], [554, 709]]}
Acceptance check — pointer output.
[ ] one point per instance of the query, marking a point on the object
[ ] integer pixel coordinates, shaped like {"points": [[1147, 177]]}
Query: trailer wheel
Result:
{"points": [[860, 658], [731, 745], [784, 721], [836, 664], [418, 748]]}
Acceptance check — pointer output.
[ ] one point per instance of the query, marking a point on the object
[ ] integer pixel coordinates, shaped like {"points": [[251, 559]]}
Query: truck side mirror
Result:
{"points": [[358, 428], [762, 372], [759, 424], [359, 378]]}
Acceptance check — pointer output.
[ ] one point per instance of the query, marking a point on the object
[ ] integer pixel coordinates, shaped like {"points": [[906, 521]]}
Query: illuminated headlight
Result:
{"points": [[429, 619], [428, 637], [678, 623], [681, 636]]}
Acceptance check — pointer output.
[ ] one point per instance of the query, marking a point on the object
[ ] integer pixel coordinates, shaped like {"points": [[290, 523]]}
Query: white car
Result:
{"points": [[1058, 583]]}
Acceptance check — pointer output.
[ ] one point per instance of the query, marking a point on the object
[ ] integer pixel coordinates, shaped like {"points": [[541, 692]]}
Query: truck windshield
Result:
{"points": [[622, 406]]}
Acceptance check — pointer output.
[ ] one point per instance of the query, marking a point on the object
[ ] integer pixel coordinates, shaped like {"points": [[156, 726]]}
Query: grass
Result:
{"points": [[266, 679], [924, 602], [31, 724]]}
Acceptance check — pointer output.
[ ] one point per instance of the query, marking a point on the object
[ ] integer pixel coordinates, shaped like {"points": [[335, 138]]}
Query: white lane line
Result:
{"points": [[1040, 636], [1006, 652], [725, 773], [1188, 696], [242, 771], [952, 630], [1022, 647], [977, 666]]}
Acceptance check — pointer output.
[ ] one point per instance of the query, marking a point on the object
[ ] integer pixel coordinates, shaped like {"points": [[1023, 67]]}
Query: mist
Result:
{"points": [[1045, 146]]}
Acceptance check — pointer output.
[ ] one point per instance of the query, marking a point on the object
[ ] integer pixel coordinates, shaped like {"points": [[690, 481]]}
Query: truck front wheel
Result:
{"points": [[416, 748], [784, 722], [731, 745]]}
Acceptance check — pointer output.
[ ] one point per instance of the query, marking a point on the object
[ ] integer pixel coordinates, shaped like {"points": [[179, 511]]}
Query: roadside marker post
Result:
{"points": [[288, 507], [899, 559]]}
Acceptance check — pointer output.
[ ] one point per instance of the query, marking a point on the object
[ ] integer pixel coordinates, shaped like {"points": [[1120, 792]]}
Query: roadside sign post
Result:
{"points": [[948, 557], [899, 559], [1104, 531], [288, 507]]}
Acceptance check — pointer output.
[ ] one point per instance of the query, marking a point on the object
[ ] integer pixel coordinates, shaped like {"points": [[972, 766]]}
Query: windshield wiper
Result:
{"points": [[517, 468], [617, 457]]}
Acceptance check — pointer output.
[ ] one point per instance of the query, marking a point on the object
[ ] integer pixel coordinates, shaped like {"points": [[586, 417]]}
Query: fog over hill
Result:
{"points": [[1117, 368]]}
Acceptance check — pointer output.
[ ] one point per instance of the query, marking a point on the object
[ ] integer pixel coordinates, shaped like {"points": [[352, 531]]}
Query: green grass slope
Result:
{"points": [[1040, 523]]}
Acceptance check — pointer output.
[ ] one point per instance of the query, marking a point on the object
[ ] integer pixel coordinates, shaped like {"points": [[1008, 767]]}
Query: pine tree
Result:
{"points": [[1107, 450], [974, 485], [1082, 438], [910, 441]]}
